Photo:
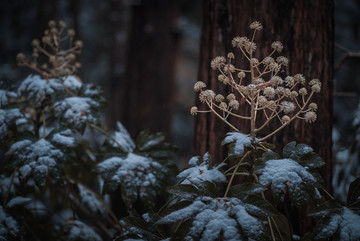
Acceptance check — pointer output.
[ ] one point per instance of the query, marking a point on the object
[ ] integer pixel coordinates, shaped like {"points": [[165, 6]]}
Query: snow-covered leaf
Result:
{"points": [[237, 142], [212, 217], [200, 172], [90, 200], [137, 175], [287, 175], [19, 200], [123, 138], [72, 82], [335, 221], [139, 228], [5, 95], [76, 230], [145, 141], [65, 138], [35, 87], [8, 226], [296, 151], [37, 159], [8, 117], [242, 190], [77, 110]]}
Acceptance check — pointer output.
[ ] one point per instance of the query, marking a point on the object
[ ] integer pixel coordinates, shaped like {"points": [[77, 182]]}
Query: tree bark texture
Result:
{"points": [[149, 77], [306, 30]]}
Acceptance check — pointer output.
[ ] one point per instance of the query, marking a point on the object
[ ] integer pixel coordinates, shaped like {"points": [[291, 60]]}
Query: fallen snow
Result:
{"points": [[72, 82], [239, 139], [8, 226], [79, 230], [89, 199], [123, 138]]}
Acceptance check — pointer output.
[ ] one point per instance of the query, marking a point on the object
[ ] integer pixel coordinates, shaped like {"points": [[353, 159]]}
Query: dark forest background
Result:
{"points": [[146, 56]]}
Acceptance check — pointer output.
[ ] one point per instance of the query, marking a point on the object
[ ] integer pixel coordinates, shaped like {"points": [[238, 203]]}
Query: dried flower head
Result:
{"points": [[315, 81], [289, 81], [230, 97], [219, 98], [310, 116], [239, 42], [277, 46], [268, 60], [193, 110], [256, 25], [282, 60], [303, 92], [254, 61], [313, 106], [294, 94], [199, 85], [221, 77], [206, 95], [217, 62], [285, 119], [262, 101], [234, 104], [230, 55], [250, 47], [241, 74], [269, 92], [316, 88], [300, 78], [276, 80], [258, 81], [223, 105], [287, 107]]}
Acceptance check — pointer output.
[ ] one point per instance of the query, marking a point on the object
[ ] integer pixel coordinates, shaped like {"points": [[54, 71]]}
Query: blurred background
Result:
{"points": [[145, 55]]}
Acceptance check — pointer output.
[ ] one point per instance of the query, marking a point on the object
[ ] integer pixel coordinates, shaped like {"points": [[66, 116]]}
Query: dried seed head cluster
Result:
{"points": [[59, 49], [262, 85]]}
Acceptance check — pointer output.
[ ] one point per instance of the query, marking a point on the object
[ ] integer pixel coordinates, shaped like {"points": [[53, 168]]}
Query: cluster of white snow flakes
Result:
{"points": [[80, 231], [283, 174], [36, 87], [72, 82], [6, 117], [240, 141], [8, 226], [213, 216], [64, 138], [35, 157], [134, 172], [199, 172], [76, 109]]}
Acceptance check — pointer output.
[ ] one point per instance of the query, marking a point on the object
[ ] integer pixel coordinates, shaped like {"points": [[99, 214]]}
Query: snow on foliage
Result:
{"points": [[36, 158], [200, 172], [137, 175], [238, 141], [5, 184], [89, 199], [8, 226], [34, 87], [7, 116], [77, 230], [212, 217], [286, 174], [72, 82], [64, 138], [5, 95], [123, 138], [76, 110]]}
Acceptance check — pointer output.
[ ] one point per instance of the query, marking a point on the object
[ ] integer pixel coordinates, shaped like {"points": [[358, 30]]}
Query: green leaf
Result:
{"points": [[295, 152], [139, 227], [311, 160], [184, 191], [260, 207], [331, 206], [182, 231], [326, 227], [175, 207], [284, 226], [242, 190], [270, 155], [146, 141], [354, 192]]}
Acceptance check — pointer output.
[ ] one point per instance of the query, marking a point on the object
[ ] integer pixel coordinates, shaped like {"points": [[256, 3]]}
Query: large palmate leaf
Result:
{"points": [[215, 218], [334, 220], [237, 142]]}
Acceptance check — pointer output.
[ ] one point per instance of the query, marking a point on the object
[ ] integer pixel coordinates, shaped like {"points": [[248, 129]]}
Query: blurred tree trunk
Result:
{"points": [[306, 30], [149, 75]]}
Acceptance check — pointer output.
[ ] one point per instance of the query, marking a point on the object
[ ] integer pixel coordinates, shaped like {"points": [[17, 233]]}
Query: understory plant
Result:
{"points": [[261, 186], [61, 169]]}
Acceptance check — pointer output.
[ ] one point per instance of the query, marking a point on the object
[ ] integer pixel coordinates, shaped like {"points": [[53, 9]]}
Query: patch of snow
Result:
{"points": [[8, 226], [76, 109], [89, 199], [79, 230], [239, 139], [285, 173], [123, 137], [36, 87], [19, 200], [4, 97], [201, 173], [64, 138], [350, 226], [72, 82]]}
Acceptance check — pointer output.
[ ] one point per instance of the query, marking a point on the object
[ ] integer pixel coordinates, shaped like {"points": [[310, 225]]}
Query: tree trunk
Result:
{"points": [[306, 30], [149, 77]]}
